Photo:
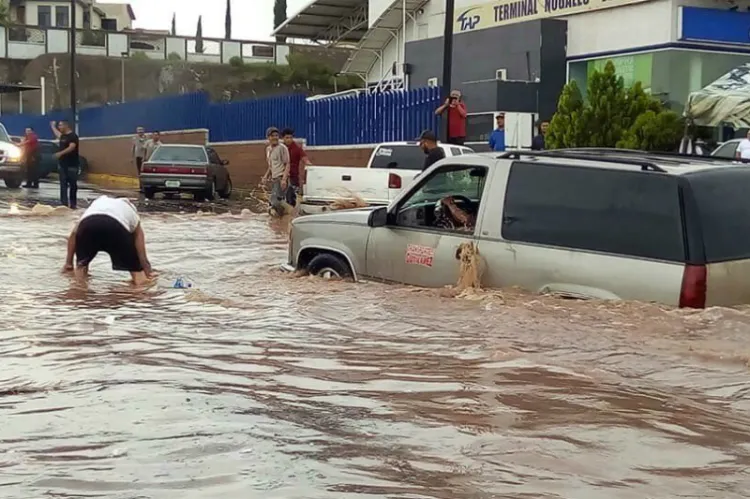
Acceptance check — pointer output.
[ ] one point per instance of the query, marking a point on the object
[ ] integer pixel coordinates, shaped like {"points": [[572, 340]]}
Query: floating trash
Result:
{"points": [[182, 283]]}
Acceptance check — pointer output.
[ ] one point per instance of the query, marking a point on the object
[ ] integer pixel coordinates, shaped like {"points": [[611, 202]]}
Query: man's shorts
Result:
{"points": [[103, 233]]}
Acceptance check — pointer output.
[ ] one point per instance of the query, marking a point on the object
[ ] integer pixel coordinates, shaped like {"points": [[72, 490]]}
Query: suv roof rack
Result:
{"points": [[665, 154], [560, 153]]}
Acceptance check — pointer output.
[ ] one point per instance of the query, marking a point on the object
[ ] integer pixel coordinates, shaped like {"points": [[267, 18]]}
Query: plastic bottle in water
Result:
{"points": [[181, 283]]}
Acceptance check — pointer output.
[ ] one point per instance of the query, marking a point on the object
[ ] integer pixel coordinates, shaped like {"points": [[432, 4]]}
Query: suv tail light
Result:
{"points": [[394, 181], [694, 284]]}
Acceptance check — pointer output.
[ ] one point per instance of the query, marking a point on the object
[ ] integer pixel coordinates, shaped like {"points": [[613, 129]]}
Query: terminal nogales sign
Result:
{"points": [[501, 12]]}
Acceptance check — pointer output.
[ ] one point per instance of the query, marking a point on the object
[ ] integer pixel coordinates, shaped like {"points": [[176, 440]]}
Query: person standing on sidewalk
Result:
{"points": [[139, 148], [152, 144], [298, 161], [497, 137], [68, 162], [455, 110], [30, 147], [277, 156]]}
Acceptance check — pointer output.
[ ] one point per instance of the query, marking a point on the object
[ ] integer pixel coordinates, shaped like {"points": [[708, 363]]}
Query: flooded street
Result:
{"points": [[257, 384]]}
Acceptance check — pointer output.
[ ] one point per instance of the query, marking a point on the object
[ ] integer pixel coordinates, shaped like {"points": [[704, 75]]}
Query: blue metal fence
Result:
{"points": [[249, 120], [358, 119]]}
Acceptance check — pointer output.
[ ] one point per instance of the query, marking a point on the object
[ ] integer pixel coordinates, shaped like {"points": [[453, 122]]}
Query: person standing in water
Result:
{"points": [[69, 162], [111, 225], [277, 156], [30, 147]]}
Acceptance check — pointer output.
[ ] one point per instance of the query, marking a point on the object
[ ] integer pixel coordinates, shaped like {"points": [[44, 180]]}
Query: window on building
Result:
{"points": [[263, 51], [44, 16], [109, 24], [610, 211], [87, 19], [62, 17], [479, 127], [21, 15]]}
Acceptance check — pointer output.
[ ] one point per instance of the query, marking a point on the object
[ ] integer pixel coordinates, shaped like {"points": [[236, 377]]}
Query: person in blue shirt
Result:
{"points": [[497, 137]]}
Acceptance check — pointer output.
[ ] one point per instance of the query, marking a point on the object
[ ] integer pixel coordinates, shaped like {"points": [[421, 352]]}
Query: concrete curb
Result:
{"points": [[103, 179]]}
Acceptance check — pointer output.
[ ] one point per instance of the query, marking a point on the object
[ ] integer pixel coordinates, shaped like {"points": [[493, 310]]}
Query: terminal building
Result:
{"points": [[514, 56]]}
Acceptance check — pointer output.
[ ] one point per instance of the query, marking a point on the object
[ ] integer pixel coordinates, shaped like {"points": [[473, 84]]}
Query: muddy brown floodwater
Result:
{"points": [[256, 384]]}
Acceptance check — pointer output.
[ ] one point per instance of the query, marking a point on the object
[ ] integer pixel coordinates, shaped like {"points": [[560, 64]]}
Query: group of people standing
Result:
{"points": [[144, 146], [286, 162], [68, 157]]}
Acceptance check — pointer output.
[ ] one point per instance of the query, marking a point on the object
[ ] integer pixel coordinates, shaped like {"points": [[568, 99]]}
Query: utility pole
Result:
{"points": [[73, 96], [450, 8]]}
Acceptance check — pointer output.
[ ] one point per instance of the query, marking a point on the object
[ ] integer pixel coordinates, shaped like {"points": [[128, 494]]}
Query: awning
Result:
{"points": [[384, 30], [13, 88], [727, 100], [329, 21]]}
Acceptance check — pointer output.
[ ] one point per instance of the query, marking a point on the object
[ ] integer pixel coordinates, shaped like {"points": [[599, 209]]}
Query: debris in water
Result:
{"points": [[348, 203], [469, 285], [14, 209]]}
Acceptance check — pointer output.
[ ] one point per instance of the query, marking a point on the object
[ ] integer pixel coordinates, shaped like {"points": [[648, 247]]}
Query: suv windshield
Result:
{"points": [[179, 154], [723, 212], [401, 157]]}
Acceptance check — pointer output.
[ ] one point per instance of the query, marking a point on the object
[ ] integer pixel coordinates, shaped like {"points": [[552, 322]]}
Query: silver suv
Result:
{"points": [[605, 224], [11, 160]]}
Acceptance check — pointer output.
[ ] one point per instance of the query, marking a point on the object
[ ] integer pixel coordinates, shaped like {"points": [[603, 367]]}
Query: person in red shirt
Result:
{"points": [[30, 147], [298, 160], [455, 109]]}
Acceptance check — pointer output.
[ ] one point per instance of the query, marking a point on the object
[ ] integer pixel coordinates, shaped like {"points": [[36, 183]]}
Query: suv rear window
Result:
{"points": [[611, 211], [723, 206], [401, 157]]}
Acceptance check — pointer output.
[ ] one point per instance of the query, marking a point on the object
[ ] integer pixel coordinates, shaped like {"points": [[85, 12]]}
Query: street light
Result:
{"points": [[73, 97], [124, 55], [450, 7]]}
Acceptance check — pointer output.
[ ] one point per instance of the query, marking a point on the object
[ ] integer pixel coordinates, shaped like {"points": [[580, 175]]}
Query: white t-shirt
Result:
{"points": [[120, 209], [744, 149]]}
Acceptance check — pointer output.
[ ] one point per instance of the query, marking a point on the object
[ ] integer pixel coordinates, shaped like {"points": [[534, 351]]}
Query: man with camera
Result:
{"points": [[455, 109]]}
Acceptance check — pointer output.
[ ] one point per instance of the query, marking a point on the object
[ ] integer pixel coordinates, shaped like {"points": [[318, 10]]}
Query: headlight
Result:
{"points": [[13, 153]]}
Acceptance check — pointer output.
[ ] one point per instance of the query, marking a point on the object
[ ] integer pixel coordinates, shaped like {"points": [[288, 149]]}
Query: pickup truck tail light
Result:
{"points": [[394, 181]]}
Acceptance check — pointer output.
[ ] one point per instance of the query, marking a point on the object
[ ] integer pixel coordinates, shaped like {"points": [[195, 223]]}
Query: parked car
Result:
{"points": [[11, 160], [605, 225], [391, 167], [726, 149], [186, 168], [48, 163]]}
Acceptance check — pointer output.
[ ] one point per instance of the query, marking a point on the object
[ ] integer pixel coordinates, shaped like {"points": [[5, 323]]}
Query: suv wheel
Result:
{"points": [[329, 266], [13, 183]]}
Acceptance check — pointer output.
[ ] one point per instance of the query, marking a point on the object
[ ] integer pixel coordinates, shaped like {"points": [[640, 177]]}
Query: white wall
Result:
{"points": [[620, 28]]}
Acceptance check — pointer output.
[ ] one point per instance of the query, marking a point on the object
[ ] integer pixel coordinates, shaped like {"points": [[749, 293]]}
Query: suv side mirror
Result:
{"points": [[378, 217]]}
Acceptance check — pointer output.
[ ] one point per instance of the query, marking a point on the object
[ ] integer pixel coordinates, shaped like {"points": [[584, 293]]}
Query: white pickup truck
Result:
{"points": [[392, 167]]}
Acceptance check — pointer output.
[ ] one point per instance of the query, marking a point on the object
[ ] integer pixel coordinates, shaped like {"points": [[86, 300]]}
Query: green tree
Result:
{"points": [[612, 116], [4, 13], [653, 131], [279, 16]]}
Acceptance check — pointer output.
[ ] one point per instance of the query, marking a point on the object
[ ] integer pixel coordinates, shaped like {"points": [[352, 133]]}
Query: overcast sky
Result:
{"points": [[251, 19]]}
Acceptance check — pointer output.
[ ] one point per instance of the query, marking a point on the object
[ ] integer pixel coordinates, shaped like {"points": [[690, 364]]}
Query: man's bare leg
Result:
{"points": [[139, 278]]}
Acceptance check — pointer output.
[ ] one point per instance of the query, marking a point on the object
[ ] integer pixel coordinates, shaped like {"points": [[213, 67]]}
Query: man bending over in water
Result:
{"points": [[111, 225]]}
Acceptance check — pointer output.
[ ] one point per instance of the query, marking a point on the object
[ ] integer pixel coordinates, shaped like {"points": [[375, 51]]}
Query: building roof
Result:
{"points": [[379, 35], [329, 21]]}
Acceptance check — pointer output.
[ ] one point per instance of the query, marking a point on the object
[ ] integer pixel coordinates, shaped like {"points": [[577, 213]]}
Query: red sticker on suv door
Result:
{"points": [[420, 255]]}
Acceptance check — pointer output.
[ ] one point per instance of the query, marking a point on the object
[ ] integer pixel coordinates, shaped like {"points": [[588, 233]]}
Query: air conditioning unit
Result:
{"points": [[432, 82], [501, 74]]}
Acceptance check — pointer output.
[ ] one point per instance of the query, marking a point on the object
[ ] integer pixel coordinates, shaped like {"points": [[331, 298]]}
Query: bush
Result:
{"points": [[236, 62], [139, 56], [612, 117], [174, 56]]}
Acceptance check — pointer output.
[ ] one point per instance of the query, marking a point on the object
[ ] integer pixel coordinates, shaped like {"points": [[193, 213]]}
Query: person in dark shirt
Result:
{"points": [[537, 143], [428, 143], [298, 160], [68, 162]]}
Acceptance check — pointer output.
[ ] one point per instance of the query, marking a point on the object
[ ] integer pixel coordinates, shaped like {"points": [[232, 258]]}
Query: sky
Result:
{"points": [[251, 19]]}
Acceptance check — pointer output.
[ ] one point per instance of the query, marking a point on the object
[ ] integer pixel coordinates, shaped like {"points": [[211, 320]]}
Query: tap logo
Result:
{"points": [[468, 21]]}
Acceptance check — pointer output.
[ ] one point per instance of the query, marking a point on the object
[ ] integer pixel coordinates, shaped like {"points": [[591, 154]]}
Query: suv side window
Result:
{"points": [[611, 211], [727, 150]]}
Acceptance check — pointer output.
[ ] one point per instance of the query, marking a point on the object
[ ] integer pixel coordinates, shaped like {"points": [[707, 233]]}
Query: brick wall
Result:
{"points": [[247, 161], [112, 156]]}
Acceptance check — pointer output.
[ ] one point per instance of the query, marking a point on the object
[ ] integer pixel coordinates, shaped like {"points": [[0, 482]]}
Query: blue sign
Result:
{"points": [[714, 25], [468, 20]]}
